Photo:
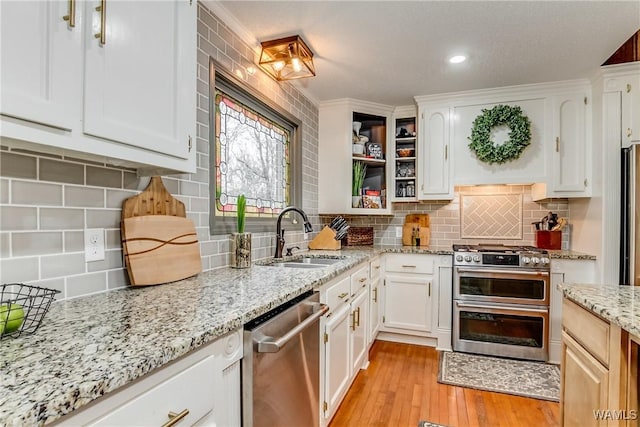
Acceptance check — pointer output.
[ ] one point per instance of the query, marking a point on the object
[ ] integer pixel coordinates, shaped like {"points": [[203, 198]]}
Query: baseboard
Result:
{"points": [[444, 340], [407, 339]]}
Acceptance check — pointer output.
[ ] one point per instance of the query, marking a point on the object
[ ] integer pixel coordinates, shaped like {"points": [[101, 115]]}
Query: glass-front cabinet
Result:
{"points": [[354, 157]]}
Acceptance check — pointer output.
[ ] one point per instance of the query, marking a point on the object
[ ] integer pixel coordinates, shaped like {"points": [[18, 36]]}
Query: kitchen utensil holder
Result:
{"points": [[35, 302], [548, 239]]}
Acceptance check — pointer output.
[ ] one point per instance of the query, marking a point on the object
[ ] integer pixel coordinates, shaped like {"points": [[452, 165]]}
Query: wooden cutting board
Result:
{"points": [[160, 244], [412, 221]]}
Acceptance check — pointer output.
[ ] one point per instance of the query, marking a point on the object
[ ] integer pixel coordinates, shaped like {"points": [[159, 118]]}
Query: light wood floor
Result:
{"points": [[400, 388]]}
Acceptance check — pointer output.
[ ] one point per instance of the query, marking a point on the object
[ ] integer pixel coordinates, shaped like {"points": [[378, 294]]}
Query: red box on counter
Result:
{"points": [[548, 239]]}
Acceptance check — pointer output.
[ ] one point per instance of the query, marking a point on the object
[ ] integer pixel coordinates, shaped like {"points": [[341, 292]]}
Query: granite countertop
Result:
{"points": [[620, 305], [567, 254], [93, 345]]}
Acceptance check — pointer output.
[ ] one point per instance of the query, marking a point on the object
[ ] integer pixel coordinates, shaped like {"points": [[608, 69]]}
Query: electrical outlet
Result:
{"points": [[398, 231], [93, 244]]}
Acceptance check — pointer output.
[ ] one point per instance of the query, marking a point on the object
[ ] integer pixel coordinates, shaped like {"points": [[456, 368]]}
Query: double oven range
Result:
{"points": [[501, 301]]}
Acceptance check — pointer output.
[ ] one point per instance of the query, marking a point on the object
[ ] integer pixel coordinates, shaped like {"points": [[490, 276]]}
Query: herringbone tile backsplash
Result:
{"points": [[491, 216]]}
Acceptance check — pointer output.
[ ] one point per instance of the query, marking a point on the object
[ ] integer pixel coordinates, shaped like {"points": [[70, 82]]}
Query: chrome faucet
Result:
{"points": [[280, 232]]}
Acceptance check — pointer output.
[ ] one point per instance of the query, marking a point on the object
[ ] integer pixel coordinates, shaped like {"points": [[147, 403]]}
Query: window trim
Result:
{"points": [[228, 225]]}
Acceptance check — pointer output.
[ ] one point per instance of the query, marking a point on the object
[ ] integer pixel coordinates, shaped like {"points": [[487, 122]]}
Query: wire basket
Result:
{"points": [[22, 308]]}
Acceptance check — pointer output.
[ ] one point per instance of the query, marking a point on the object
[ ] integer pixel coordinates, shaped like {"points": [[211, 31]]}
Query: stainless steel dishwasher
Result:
{"points": [[281, 365]]}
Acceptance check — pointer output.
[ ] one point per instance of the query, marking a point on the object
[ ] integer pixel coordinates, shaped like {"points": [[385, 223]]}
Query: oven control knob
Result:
{"points": [[526, 260], [458, 258], [535, 260], [544, 261], [467, 258], [476, 258]]}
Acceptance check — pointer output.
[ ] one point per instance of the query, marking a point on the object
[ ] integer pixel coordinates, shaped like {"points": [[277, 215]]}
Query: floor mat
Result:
{"points": [[522, 378]]}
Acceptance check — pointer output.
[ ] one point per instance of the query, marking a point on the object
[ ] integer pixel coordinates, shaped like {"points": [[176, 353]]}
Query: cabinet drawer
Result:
{"points": [[410, 263], [338, 294], [374, 269], [590, 331], [191, 389], [359, 280]]}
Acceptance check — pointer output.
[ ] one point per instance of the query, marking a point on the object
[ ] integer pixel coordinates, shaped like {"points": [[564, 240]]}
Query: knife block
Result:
{"points": [[326, 239]]}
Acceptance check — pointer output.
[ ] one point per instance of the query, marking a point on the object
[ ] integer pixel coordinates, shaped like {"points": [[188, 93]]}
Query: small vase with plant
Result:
{"points": [[241, 242], [359, 172]]}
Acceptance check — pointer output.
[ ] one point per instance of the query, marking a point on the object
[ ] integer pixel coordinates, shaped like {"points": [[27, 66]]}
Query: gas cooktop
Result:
{"points": [[496, 248]]}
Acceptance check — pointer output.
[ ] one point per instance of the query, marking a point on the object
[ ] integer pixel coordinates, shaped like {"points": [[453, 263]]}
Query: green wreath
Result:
{"points": [[519, 134]]}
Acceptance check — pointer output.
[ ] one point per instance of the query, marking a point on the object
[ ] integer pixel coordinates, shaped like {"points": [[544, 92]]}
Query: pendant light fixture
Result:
{"points": [[287, 58]]}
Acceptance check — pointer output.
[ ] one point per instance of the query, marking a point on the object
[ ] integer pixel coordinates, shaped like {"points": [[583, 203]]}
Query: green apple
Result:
{"points": [[11, 317]]}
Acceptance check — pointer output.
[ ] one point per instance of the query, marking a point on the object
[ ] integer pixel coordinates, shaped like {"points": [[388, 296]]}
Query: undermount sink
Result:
{"points": [[305, 262], [296, 265]]}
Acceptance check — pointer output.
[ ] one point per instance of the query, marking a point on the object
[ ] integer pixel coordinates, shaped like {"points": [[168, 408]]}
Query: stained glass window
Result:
{"points": [[252, 158]]}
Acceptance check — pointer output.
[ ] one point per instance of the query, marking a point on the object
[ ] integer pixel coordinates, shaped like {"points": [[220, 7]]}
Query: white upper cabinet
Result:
{"points": [[127, 96], [631, 109], [570, 143], [337, 156], [41, 61], [133, 90], [434, 157]]}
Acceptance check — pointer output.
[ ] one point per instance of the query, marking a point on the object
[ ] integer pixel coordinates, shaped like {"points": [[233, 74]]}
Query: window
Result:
{"points": [[254, 151]]}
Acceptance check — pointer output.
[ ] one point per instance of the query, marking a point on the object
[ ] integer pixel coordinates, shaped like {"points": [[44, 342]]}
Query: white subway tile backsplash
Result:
{"points": [[19, 270], [86, 284], [52, 266], [117, 278], [74, 241], [61, 219], [35, 193], [35, 243], [18, 218], [75, 196], [18, 166], [103, 218], [112, 260], [58, 171]]}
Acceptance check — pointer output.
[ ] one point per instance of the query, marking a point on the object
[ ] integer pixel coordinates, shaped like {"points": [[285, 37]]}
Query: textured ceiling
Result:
{"points": [[390, 51]]}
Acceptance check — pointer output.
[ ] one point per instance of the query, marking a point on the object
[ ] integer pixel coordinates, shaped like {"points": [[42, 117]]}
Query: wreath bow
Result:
{"points": [[519, 134]]}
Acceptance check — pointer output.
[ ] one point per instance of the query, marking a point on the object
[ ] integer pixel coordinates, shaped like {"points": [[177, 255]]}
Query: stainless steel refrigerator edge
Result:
{"points": [[630, 216], [281, 366]]}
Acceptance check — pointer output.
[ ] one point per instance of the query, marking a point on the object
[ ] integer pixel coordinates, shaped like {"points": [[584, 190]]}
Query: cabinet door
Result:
{"points": [[337, 359], [359, 331], [407, 302], [140, 84], [374, 309], [631, 111], [570, 143], [434, 155], [585, 385], [41, 63]]}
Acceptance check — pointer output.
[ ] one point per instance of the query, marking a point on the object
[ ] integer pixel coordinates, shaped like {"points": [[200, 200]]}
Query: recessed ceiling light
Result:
{"points": [[457, 59]]}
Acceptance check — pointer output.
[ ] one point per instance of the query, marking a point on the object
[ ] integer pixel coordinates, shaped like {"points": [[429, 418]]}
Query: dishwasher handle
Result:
{"points": [[272, 345]]}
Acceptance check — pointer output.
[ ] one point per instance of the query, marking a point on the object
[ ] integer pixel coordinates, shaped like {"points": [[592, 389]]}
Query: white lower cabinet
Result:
{"points": [[203, 388], [337, 359], [374, 299], [408, 302], [346, 337]]}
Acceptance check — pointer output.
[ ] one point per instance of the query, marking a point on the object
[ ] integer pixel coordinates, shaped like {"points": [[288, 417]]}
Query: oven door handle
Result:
{"points": [[510, 272], [493, 307]]}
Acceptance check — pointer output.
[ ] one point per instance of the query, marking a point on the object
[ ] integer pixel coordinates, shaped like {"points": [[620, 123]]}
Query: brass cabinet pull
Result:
{"points": [[628, 132], [358, 316], [102, 35], [408, 266], [446, 152], [175, 418], [363, 279], [353, 320], [557, 144], [375, 294], [71, 17], [377, 267], [342, 295], [429, 288]]}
